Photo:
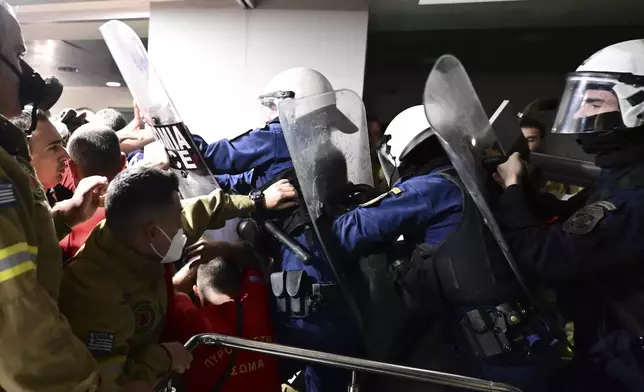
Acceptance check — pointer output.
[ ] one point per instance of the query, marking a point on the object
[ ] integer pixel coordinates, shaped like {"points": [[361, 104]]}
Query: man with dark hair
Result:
{"points": [[534, 131], [218, 281], [45, 144], [114, 292], [48, 156], [94, 150], [233, 300], [72, 119], [111, 118]]}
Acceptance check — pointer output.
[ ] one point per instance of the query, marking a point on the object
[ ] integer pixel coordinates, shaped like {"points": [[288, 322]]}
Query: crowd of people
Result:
{"points": [[106, 271]]}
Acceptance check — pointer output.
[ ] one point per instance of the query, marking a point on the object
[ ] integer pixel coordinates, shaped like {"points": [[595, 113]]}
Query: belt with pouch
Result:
{"points": [[299, 295]]}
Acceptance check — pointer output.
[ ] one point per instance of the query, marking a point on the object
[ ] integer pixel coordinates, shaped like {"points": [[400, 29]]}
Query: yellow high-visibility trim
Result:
{"points": [[16, 248], [17, 270]]}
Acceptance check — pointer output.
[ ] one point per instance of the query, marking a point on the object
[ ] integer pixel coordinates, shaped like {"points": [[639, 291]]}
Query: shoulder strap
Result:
{"points": [[233, 357]]}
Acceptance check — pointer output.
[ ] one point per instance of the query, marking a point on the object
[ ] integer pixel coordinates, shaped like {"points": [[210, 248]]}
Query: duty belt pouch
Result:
{"points": [[298, 288], [278, 286], [491, 333]]}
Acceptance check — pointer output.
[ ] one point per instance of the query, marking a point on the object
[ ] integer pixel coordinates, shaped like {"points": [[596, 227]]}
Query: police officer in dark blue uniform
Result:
{"points": [[447, 265], [264, 149], [239, 183], [594, 256], [262, 154]]}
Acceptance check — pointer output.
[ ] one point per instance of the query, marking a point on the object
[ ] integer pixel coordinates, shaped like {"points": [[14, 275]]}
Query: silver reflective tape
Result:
{"points": [[15, 259]]}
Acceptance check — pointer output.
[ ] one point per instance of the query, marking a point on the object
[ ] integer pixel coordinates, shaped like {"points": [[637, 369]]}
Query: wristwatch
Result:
{"points": [[257, 195]]}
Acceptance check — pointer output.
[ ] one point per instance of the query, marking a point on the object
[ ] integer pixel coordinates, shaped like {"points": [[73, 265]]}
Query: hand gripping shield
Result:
{"points": [[327, 138], [195, 179], [455, 113]]}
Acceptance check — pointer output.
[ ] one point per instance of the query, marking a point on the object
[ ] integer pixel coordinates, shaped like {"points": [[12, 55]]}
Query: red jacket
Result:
{"points": [[74, 240], [252, 371]]}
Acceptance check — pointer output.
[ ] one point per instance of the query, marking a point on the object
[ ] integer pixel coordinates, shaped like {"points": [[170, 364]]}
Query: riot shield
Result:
{"points": [[328, 142], [455, 113], [145, 85]]}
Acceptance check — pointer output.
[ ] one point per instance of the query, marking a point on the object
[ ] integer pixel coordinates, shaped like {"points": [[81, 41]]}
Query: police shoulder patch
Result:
{"points": [[586, 219], [392, 192]]}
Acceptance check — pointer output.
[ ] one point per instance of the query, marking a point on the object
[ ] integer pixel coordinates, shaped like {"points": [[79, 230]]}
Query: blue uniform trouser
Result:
{"points": [[333, 330]]}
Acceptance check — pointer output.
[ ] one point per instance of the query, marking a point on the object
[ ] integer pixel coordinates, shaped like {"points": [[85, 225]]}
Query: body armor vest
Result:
{"points": [[468, 267]]}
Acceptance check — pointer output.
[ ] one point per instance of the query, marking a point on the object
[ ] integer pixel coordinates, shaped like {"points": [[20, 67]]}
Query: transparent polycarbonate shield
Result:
{"points": [[328, 141], [327, 138], [145, 85], [507, 129], [455, 113]]}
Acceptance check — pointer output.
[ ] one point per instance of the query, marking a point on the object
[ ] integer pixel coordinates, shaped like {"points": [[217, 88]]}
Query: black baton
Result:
{"points": [[286, 240]]}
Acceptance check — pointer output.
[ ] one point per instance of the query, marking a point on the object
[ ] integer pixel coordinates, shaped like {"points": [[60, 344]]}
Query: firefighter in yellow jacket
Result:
{"points": [[38, 351], [114, 291]]}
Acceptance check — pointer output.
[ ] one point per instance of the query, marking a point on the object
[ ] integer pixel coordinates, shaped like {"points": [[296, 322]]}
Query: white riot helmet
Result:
{"points": [[297, 83], [405, 132], [606, 92]]}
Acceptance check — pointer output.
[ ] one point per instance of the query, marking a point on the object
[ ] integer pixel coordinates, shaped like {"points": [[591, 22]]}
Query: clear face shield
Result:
{"points": [[272, 100], [589, 104], [387, 161]]}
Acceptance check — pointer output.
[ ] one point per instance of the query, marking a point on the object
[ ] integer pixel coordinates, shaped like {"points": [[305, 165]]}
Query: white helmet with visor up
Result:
{"points": [[405, 132], [606, 92], [297, 83]]}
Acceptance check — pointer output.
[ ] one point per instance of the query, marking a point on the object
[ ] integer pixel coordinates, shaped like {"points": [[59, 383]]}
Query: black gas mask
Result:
{"points": [[34, 90]]}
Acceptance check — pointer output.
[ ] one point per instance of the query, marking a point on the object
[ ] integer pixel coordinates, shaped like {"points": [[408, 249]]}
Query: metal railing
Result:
{"points": [[350, 363]]}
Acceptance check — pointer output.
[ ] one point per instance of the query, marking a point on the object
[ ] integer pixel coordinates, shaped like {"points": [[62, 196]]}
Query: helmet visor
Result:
{"points": [[271, 100], [387, 161], [589, 104]]}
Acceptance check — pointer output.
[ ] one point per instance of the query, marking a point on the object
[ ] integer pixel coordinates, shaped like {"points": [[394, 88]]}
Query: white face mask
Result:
{"points": [[177, 243]]}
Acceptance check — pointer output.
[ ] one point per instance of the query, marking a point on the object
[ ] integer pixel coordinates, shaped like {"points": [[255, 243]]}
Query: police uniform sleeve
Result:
{"points": [[246, 152], [381, 221], [212, 212], [238, 183], [103, 321], [38, 351], [598, 237]]}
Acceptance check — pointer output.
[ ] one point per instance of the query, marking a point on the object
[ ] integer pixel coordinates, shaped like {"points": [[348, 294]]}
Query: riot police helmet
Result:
{"points": [[297, 83], [605, 93], [407, 130]]}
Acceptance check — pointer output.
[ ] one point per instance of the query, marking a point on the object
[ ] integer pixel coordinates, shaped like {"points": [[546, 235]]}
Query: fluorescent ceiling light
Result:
{"points": [[113, 84], [437, 2]]}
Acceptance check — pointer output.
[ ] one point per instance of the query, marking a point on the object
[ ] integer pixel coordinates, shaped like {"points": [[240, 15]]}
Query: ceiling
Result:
{"points": [[527, 50], [406, 15], [90, 58], [385, 15], [512, 36]]}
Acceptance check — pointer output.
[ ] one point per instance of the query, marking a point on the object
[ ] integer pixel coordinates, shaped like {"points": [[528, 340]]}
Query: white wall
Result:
{"points": [[95, 98], [215, 61]]}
